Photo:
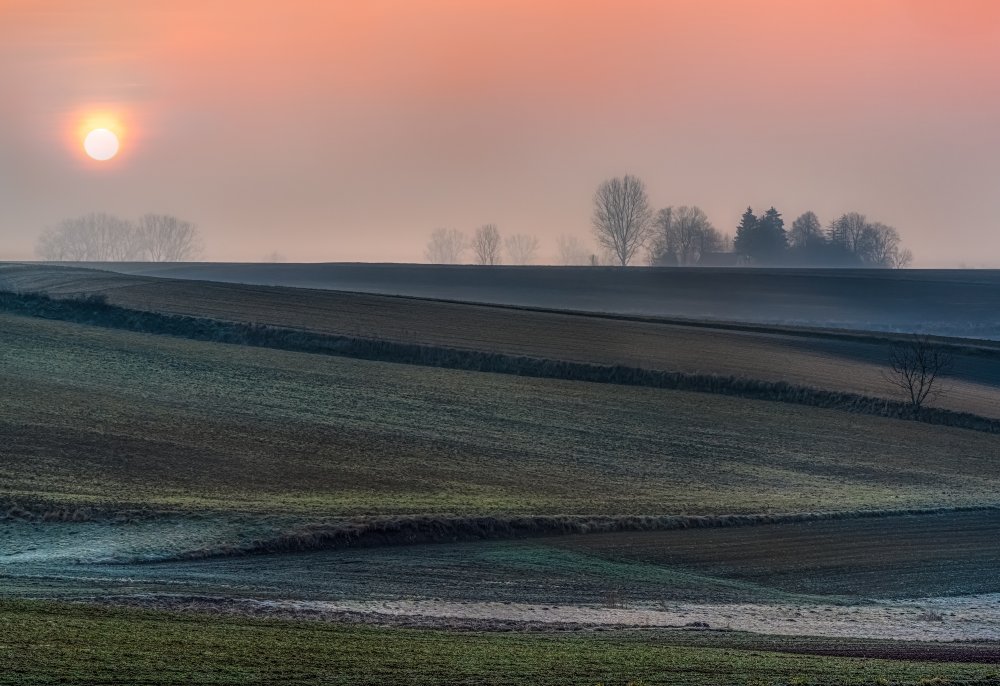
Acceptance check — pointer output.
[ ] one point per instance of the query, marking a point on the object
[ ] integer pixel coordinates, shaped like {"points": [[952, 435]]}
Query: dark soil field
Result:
{"points": [[886, 557], [846, 561], [945, 302], [855, 364]]}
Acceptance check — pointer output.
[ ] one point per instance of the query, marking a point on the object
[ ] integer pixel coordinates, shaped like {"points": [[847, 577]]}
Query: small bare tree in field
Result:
{"points": [[521, 248], [486, 244], [446, 246], [915, 367]]}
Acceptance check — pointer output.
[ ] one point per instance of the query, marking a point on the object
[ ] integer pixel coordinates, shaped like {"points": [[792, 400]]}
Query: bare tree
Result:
{"points": [[94, 237], [486, 244], [622, 217], [682, 235], [848, 230], [521, 248], [168, 239], [806, 231], [901, 259], [102, 237], [709, 239], [873, 244], [727, 243], [446, 246], [914, 368], [879, 246], [662, 239], [572, 251]]}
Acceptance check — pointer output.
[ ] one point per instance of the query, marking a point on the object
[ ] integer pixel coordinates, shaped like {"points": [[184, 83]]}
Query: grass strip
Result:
{"points": [[51, 643]]}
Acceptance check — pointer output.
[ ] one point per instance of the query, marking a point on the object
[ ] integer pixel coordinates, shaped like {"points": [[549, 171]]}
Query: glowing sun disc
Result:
{"points": [[101, 144]]}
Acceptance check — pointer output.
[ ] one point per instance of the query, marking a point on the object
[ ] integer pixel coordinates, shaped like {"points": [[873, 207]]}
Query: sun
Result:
{"points": [[101, 144]]}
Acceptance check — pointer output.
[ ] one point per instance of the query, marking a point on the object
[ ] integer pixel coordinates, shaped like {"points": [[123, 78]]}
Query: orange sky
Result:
{"points": [[350, 130]]}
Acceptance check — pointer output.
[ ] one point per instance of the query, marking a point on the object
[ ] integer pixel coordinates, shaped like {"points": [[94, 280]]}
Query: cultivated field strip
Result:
{"points": [[95, 311], [95, 415], [126, 645], [819, 362], [949, 302], [908, 556]]}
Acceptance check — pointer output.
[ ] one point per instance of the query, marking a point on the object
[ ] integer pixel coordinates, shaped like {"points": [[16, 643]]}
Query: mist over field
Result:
{"points": [[352, 132], [451, 343]]}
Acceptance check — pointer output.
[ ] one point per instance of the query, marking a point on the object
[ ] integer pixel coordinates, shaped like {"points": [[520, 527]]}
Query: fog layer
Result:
{"points": [[351, 131]]}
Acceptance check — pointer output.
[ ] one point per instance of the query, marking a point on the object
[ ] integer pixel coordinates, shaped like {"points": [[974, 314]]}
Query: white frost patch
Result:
{"points": [[105, 542], [936, 619]]}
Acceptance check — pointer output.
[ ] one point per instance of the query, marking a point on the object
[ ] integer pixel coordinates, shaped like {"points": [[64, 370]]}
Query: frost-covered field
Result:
{"points": [[140, 468]]}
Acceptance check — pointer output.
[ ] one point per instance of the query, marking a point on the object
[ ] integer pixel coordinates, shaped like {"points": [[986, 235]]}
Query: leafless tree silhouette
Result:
{"points": [[880, 247], [572, 251], [521, 248], [622, 217], [94, 237], [806, 231], [486, 244], [446, 246], [681, 235], [915, 367], [102, 237], [848, 229], [874, 244], [900, 260], [166, 238]]}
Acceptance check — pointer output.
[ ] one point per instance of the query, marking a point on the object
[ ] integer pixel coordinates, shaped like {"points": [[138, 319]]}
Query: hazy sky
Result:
{"points": [[350, 130]]}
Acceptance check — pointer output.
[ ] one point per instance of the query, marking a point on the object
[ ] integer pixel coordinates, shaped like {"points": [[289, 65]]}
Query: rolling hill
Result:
{"points": [[943, 302], [853, 363]]}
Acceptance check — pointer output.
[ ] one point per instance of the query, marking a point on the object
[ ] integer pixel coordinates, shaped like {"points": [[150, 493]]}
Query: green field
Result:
{"points": [[67, 644], [126, 456], [127, 420]]}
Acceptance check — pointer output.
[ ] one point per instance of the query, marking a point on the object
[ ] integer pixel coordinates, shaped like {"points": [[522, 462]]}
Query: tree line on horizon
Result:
{"points": [[623, 222], [103, 237], [487, 246], [626, 226]]}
